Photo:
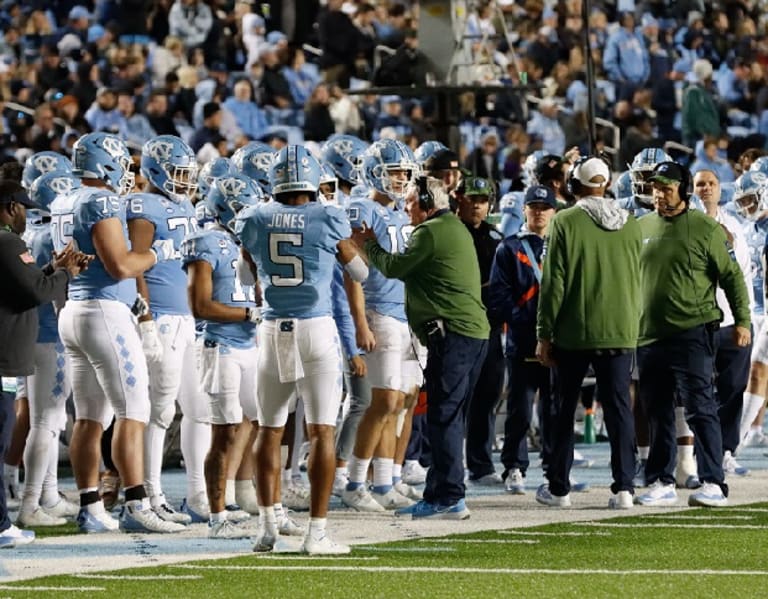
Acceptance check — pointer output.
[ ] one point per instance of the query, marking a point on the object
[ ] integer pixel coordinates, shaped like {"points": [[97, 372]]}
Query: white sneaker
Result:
{"points": [[545, 497], [581, 461], [339, 484], [95, 519], [414, 473], [163, 509], [63, 508], [658, 495], [391, 500], [226, 529], [265, 541], [296, 497], [196, 508], [755, 438], [323, 546], [288, 527], [407, 490], [731, 466], [360, 500], [14, 536], [515, 482], [710, 495], [140, 517], [39, 517], [492, 479], [236, 514], [621, 501]]}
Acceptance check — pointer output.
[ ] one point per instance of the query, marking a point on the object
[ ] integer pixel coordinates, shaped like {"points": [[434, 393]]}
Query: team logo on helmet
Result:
{"points": [[61, 185], [160, 150], [45, 164], [231, 186], [113, 146]]}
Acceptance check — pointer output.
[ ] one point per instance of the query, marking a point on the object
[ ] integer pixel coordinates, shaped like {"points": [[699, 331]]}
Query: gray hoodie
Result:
{"points": [[604, 211]]}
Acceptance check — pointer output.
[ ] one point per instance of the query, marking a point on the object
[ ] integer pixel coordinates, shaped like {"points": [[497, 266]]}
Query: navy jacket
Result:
{"points": [[513, 295]]}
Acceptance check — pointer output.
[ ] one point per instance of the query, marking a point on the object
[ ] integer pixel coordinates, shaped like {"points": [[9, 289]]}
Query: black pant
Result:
{"points": [[7, 420], [481, 410], [526, 377], [732, 368], [682, 366], [613, 375], [453, 365]]}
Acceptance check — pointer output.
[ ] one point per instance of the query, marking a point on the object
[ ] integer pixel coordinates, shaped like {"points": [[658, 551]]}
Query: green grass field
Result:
{"points": [[695, 553]]}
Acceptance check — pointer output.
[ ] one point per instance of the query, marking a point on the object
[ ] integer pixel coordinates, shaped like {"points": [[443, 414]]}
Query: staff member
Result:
{"points": [[25, 287], [686, 255], [442, 289], [474, 195], [588, 314]]}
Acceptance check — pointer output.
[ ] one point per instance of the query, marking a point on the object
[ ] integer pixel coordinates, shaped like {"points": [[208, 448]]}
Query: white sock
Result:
{"points": [[50, 496], [94, 508], [342, 472], [681, 426], [154, 442], [218, 516], [382, 472], [36, 465], [287, 475], [684, 452], [643, 451], [397, 472], [358, 469], [229, 493], [317, 526], [195, 441], [752, 405], [279, 511]]}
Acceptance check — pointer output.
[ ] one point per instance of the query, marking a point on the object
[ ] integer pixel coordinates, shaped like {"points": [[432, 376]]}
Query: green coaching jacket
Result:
{"points": [[590, 287], [441, 275], [684, 259]]}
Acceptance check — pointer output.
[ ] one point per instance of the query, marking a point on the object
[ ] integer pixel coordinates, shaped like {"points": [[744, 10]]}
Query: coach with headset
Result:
{"points": [[686, 255], [444, 309], [588, 313]]}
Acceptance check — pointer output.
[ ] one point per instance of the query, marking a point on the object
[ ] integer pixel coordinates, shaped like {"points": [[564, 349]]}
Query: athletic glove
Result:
{"points": [[140, 307], [253, 315], [163, 250], [150, 341]]}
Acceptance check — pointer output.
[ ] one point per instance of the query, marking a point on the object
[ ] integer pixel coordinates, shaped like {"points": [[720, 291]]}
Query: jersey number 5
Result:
{"points": [[276, 257]]}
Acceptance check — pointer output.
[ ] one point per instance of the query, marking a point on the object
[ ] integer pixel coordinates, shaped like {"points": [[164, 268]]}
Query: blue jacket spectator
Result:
{"points": [[626, 58], [249, 117], [103, 114], [707, 159], [190, 21], [135, 129], [544, 125], [301, 78]]}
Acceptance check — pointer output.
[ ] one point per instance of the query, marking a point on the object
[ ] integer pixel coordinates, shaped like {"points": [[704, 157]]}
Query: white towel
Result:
{"points": [[289, 366], [211, 374]]}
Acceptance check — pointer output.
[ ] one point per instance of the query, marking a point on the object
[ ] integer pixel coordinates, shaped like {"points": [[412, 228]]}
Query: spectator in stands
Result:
{"points": [[733, 86], [54, 73], [249, 117], [166, 58], [543, 50], [135, 129], [79, 20], [276, 91], [638, 136], [209, 132], [626, 58], [484, 160], [157, 113], [700, 116], [338, 39], [132, 16], [364, 21], [545, 125], [103, 115], [318, 124], [301, 77], [68, 109], [708, 158], [190, 21], [88, 83], [186, 97], [44, 135], [253, 30]]}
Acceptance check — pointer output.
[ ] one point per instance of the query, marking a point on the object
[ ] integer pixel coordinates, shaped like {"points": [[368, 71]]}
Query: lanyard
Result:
{"points": [[532, 259]]}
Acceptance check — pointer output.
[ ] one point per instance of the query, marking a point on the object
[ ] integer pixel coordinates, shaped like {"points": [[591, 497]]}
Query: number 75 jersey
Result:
{"points": [[172, 220], [294, 248]]}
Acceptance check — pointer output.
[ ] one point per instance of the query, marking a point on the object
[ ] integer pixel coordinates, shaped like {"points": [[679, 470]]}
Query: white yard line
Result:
{"points": [[539, 533], [673, 525], [5, 587], [482, 541], [139, 576]]}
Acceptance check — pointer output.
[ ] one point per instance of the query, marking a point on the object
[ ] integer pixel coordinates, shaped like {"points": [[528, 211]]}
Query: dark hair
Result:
{"points": [[11, 171], [8, 189]]}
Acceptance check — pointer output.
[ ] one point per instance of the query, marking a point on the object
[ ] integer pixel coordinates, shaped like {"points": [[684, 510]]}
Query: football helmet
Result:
{"points": [[760, 165], [329, 184], [253, 160], [382, 159], [210, 171], [749, 194], [425, 150], [294, 169], [229, 195], [170, 165], [343, 153], [529, 167], [641, 168], [48, 186], [41, 163], [622, 187], [105, 157]]}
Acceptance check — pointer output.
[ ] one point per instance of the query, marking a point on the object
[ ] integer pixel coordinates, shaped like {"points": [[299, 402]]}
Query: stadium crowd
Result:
{"points": [[217, 179]]}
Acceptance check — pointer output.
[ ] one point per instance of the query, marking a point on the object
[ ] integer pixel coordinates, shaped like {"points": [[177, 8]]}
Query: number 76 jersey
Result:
{"points": [[294, 248]]}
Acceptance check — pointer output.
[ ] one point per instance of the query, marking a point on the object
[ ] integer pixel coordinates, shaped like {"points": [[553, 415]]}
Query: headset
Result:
{"points": [[426, 197], [572, 184]]}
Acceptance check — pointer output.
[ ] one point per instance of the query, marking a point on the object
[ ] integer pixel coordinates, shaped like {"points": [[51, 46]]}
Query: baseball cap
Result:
{"points": [[442, 160], [477, 186], [540, 194], [549, 167], [667, 172], [79, 12], [20, 197], [275, 37], [585, 172]]}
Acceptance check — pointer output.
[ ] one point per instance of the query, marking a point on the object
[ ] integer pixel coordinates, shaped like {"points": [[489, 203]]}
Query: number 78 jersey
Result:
{"points": [[294, 248], [166, 280]]}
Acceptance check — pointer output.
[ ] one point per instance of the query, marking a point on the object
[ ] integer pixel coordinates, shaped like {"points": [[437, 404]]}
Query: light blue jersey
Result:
{"points": [[756, 239], [38, 240], [633, 207], [73, 215], [166, 280], [219, 248], [392, 229], [295, 250]]}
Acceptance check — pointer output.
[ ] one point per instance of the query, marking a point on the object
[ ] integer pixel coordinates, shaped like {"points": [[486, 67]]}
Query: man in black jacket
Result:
{"points": [[25, 286]]}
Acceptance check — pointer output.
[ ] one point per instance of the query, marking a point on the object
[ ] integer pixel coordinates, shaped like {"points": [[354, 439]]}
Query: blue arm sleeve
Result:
{"points": [[341, 314]]}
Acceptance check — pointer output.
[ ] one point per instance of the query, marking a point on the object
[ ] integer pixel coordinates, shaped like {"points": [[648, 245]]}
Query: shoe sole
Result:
{"points": [[658, 503], [463, 515], [695, 502], [515, 491]]}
